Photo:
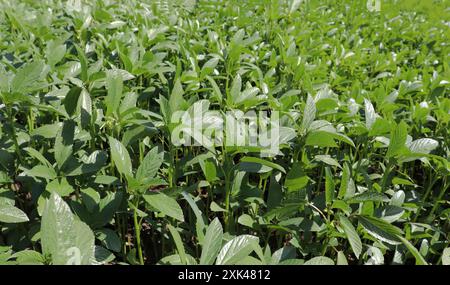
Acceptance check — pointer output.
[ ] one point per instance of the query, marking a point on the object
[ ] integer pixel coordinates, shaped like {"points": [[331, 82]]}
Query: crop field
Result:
{"points": [[257, 132]]}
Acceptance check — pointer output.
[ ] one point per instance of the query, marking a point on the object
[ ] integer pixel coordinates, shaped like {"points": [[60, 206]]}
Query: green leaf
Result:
{"points": [[149, 166], [370, 114], [176, 99], [29, 257], [236, 249], [381, 229], [296, 179], [352, 236], [329, 186], [398, 140], [309, 113], [212, 242], [235, 90], [85, 106], [321, 139], [114, 86], [328, 160], [65, 239], [320, 260], [64, 143], [446, 256], [419, 258], [344, 181], [425, 145], [109, 239], [366, 196], [42, 171], [178, 243], [256, 160], [341, 259], [165, 204], [120, 157], [28, 77], [55, 51], [71, 100], [12, 215]]}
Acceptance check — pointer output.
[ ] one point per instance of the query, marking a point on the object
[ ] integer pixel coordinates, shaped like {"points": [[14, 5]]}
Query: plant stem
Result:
{"points": [[137, 230], [440, 196], [14, 134]]}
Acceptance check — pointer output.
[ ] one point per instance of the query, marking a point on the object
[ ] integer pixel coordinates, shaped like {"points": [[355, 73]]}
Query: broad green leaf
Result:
{"points": [[309, 113], [85, 105], [27, 77], [109, 239], [236, 249], [176, 99], [296, 179], [328, 160], [320, 260], [55, 51], [381, 229], [212, 242], [165, 204], [446, 256], [149, 166], [64, 143], [352, 235], [321, 139], [423, 145], [397, 141], [65, 239], [341, 259], [120, 157], [71, 100], [11, 215], [29, 257], [42, 171], [367, 196], [114, 86], [264, 162]]}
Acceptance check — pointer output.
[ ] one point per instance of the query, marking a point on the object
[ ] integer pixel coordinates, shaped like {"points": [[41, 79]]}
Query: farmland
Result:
{"points": [[105, 108]]}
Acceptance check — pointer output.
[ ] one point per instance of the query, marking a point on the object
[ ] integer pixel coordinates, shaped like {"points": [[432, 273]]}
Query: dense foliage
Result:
{"points": [[88, 173]]}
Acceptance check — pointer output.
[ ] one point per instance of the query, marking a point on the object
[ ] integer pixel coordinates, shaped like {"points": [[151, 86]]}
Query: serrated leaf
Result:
{"points": [[149, 166], [309, 113], [425, 145], [381, 229], [329, 186], [397, 141], [352, 236]]}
